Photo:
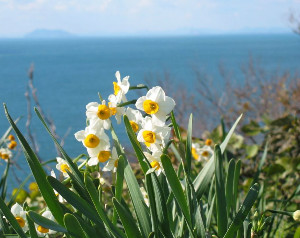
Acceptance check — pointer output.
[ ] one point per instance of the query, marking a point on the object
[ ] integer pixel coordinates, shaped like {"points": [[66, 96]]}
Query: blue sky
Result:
{"points": [[130, 17]]}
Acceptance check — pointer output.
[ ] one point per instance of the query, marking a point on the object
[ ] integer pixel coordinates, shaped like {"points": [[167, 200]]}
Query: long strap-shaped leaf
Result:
{"points": [[220, 193], [38, 173], [47, 223], [76, 201], [203, 179], [243, 211], [177, 190], [73, 167], [12, 220], [94, 196], [188, 147], [129, 224], [73, 226]]}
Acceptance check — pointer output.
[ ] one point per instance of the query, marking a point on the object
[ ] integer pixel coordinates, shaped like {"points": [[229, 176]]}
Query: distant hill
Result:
{"points": [[44, 33]]}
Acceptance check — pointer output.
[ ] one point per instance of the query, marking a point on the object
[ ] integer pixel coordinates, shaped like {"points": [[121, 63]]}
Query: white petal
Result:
{"points": [[106, 124], [16, 209], [156, 94], [80, 135], [159, 118], [125, 84], [167, 106], [93, 161], [118, 76], [91, 104], [140, 137], [139, 103]]}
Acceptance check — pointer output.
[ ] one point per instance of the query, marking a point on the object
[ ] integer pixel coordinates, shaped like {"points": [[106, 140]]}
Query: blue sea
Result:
{"points": [[70, 72]]}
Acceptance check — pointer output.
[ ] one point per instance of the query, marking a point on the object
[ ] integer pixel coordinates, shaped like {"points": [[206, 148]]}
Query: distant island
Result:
{"points": [[45, 33]]}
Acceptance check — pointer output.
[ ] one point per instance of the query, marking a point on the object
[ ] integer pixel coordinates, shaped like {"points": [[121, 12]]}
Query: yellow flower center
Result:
{"points": [[21, 221], [11, 137], [64, 168], [205, 153], [103, 156], [149, 136], [42, 229], [194, 154], [116, 88], [103, 112], [150, 107], [4, 156], [91, 141], [134, 125], [12, 145], [116, 163], [208, 142], [33, 186], [155, 164]]}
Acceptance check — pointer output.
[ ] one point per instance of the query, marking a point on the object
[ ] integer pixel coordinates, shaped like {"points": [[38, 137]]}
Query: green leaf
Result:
{"points": [[129, 224], [177, 190], [236, 184], [3, 185], [32, 230], [38, 173], [47, 223], [243, 211], [252, 128], [137, 199], [94, 196], [73, 226], [136, 145], [229, 185], [11, 219], [127, 103], [204, 178], [73, 167], [188, 147], [176, 127], [77, 202], [261, 164], [252, 150], [220, 193], [119, 184]]}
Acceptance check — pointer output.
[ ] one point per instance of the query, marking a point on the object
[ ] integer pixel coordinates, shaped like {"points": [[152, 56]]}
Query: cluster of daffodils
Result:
{"points": [[202, 152], [148, 121], [20, 215], [9, 145]]}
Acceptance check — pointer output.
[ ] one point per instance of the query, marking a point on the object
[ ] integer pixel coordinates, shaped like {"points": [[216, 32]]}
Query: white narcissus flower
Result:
{"points": [[99, 113], [204, 153], [121, 87], [145, 195], [5, 154], [60, 198], [102, 154], [135, 119], [156, 104], [155, 161], [112, 163], [93, 137], [62, 166], [153, 135], [20, 216], [118, 112], [43, 231]]}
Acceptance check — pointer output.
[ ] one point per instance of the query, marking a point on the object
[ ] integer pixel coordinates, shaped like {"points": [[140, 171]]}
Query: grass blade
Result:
{"points": [[243, 211], [73, 226], [32, 230], [47, 223], [129, 224], [188, 147], [220, 193], [38, 173], [203, 179]]}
